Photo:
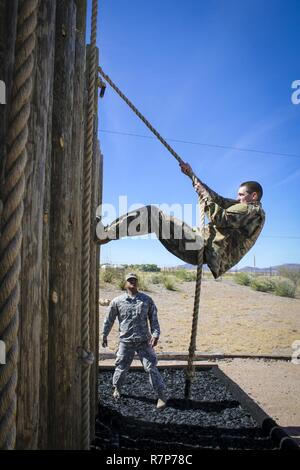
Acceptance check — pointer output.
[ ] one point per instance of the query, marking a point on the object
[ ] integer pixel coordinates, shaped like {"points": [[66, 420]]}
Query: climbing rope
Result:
{"points": [[86, 224], [11, 229], [192, 348], [140, 115], [190, 372]]}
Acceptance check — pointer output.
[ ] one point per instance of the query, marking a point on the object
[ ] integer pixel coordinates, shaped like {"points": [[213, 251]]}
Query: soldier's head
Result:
{"points": [[131, 283], [250, 192]]}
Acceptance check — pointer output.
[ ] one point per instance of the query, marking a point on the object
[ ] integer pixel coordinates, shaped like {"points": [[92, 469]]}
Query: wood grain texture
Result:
{"points": [[64, 242], [32, 247]]}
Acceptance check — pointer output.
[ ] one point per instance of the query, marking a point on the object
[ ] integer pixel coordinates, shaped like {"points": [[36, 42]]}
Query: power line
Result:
{"points": [[223, 147]]}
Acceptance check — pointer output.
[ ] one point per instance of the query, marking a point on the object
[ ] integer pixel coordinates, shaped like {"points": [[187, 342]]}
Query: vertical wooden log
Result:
{"points": [[49, 12], [32, 246], [65, 242]]}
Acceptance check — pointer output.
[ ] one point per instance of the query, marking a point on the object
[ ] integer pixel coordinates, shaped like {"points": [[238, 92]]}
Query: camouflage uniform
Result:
{"points": [[233, 229], [133, 313]]}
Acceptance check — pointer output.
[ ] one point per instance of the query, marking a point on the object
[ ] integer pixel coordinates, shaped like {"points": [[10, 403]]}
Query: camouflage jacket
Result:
{"points": [[133, 314], [233, 229]]}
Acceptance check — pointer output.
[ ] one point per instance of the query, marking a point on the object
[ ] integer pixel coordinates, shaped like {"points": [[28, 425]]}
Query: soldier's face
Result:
{"points": [[131, 284], [244, 196]]}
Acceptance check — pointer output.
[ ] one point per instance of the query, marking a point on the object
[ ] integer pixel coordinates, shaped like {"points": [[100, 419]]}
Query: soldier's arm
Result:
{"points": [[204, 190], [153, 320], [109, 320], [235, 216]]}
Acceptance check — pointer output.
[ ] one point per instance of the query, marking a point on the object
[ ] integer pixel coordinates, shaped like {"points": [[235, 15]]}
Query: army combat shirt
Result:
{"points": [[133, 313], [232, 231]]}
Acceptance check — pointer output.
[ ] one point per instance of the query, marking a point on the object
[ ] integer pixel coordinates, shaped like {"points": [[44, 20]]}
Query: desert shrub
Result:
{"points": [[293, 274], [185, 275], [243, 279], [143, 281], [150, 268], [262, 284], [285, 288], [121, 283], [169, 282], [156, 279], [107, 275]]}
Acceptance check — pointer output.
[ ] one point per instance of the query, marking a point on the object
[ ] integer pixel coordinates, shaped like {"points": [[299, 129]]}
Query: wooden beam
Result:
{"points": [[65, 240], [32, 259]]}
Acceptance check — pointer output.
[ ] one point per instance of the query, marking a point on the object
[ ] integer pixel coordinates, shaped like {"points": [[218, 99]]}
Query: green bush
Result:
{"points": [[262, 284], [143, 283], [156, 279], [169, 282], [121, 283], [150, 268], [185, 275], [107, 275], [243, 279], [285, 288], [290, 273]]}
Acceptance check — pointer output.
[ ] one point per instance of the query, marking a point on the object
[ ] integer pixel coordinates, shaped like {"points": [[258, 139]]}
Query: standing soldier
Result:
{"points": [[134, 310]]}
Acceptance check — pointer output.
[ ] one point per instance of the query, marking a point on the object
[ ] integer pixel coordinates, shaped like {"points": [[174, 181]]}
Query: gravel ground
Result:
{"points": [[211, 403], [273, 385]]}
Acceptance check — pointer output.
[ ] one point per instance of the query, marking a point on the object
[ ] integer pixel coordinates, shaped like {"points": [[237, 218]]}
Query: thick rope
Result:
{"points": [[190, 372], [140, 115], [86, 221], [192, 348], [13, 195]]}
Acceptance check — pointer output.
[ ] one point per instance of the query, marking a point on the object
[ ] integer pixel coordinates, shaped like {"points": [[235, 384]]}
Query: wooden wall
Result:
{"points": [[49, 367]]}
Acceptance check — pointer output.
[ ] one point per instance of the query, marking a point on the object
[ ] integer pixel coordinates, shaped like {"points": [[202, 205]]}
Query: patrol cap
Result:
{"points": [[131, 276]]}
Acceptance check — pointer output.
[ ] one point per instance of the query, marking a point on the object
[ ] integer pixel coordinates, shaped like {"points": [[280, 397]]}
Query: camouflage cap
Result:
{"points": [[131, 276]]}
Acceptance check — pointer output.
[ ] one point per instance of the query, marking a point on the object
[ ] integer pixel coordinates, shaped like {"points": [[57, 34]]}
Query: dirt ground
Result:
{"points": [[233, 320]]}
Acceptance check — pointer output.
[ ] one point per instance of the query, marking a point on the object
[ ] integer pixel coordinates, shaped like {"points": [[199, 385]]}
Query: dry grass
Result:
{"points": [[233, 318]]}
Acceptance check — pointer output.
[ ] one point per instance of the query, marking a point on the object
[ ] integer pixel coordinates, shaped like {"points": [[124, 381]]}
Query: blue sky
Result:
{"points": [[214, 72]]}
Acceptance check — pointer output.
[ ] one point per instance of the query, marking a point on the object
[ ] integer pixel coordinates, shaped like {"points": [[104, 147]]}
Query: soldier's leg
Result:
{"points": [[149, 360], [123, 362], [176, 236], [180, 239]]}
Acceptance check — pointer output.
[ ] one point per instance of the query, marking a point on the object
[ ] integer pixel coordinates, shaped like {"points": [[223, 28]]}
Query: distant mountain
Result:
{"points": [[249, 269], [273, 269]]}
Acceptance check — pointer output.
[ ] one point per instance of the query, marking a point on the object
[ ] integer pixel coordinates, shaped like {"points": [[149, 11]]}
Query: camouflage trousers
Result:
{"points": [[147, 357], [177, 237]]}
